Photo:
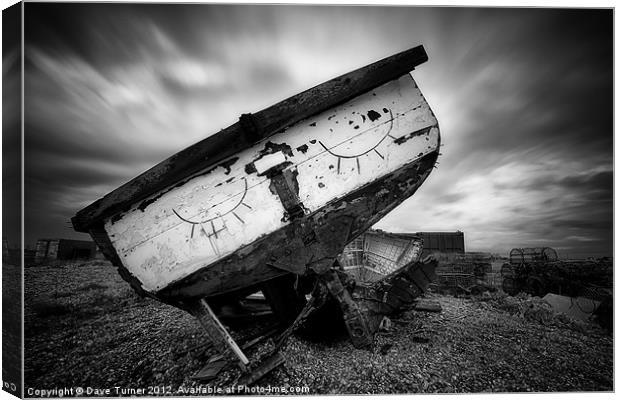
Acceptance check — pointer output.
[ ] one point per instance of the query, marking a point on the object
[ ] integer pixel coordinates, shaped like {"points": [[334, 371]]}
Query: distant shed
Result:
{"points": [[443, 242], [64, 249]]}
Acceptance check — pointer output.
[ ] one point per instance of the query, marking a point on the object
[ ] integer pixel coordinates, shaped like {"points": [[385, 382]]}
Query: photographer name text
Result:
{"points": [[163, 391]]}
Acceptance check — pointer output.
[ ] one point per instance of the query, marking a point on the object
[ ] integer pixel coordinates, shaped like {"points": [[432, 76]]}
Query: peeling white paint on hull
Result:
{"points": [[297, 172]]}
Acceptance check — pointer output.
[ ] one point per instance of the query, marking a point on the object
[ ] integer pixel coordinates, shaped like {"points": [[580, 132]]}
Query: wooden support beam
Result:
{"points": [[263, 369], [217, 332], [217, 363]]}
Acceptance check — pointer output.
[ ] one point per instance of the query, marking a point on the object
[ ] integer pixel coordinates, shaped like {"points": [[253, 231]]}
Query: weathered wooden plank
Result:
{"points": [[216, 332], [250, 129], [266, 366], [210, 371]]}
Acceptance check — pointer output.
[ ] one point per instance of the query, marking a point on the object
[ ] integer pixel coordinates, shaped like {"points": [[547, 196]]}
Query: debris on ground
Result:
{"points": [[84, 327], [579, 308], [428, 305]]}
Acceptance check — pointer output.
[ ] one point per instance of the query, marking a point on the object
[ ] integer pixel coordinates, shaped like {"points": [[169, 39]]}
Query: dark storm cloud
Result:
{"points": [[11, 128], [528, 130], [100, 34], [535, 81], [588, 185], [600, 183], [523, 98], [48, 150], [603, 224], [447, 198]]}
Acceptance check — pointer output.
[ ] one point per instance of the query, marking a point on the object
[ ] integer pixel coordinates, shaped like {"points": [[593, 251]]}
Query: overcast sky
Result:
{"points": [[523, 98]]}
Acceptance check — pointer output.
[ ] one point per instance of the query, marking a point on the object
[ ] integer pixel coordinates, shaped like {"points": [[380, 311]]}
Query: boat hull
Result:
{"points": [[288, 204], [308, 245]]}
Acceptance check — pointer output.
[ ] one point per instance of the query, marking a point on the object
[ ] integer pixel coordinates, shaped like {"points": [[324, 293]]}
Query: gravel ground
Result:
{"points": [[11, 332], [85, 327], [471, 346]]}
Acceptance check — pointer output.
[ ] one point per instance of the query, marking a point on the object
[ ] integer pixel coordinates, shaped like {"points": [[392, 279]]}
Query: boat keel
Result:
{"points": [[354, 319]]}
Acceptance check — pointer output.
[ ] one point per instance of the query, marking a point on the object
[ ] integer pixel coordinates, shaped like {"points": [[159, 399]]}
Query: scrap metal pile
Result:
{"points": [[538, 271]]}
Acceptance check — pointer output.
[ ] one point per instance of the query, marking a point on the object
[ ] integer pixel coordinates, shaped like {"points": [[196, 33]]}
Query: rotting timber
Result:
{"points": [[270, 203]]}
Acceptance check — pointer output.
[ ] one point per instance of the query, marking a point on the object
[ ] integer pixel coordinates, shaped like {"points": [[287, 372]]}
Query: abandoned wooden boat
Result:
{"points": [[375, 254], [275, 197]]}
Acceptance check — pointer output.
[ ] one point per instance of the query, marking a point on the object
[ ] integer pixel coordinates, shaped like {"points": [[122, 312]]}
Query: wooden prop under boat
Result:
{"points": [[278, 194]]}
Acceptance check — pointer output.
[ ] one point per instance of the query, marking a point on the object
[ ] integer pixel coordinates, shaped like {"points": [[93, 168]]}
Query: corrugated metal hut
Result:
{"points": [[443, 242]]}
